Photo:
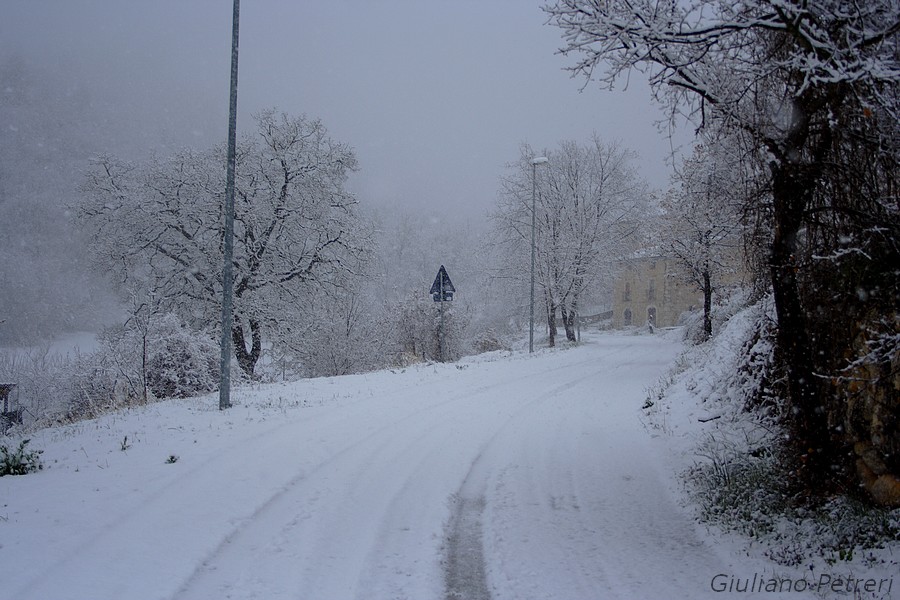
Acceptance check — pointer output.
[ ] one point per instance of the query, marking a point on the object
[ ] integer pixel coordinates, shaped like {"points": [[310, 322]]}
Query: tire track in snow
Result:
{"points": [[118, 528], [364, 455], [465, 577], [199, 534], [581, 509], [155, 513], [465, 567]]}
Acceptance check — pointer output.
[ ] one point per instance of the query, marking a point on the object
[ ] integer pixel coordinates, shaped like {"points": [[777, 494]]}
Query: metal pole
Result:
{"points": [[533, 203], [227, 283], [539, 160], [441, 329]]}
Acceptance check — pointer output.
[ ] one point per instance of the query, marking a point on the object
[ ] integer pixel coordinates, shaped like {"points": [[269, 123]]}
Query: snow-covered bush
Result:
{"points": [[131, 366], [19, 461], [744, 476], [94, 386], [157, 357], [756, 494], [488, 341], [42, 381], [139, 361], [417, 320], [182, 363], [738, 488], [347, 333]]}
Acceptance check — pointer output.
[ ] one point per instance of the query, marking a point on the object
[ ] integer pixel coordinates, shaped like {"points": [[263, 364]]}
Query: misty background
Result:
{"points": [[435, 97]]}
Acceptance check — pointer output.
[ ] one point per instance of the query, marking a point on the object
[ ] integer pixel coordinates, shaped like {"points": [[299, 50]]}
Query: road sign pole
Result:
{"points": [[442, 290], [441, 329]]}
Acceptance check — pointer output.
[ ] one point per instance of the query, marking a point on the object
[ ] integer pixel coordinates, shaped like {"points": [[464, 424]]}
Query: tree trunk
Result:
{"points": [[568, 318], [707, 303], [551, 322], [795, 177], [811, 437], [144, 384], [247, 359]]}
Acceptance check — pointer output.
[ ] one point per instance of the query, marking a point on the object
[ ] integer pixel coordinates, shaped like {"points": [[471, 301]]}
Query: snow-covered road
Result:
{"points": [[518, 477]]}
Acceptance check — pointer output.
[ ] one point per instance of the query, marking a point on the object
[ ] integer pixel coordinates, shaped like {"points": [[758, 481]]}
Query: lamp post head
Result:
{"points": [[539, 160]]}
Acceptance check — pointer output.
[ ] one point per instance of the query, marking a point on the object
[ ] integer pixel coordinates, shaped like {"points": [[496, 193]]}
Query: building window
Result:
{"points": [[626, 295], [626, 318], [651, 316], [651, 291]]}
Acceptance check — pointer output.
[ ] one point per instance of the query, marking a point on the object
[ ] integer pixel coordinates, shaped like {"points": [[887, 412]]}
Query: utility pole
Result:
{"points": [[539, 160], [227, 283]]}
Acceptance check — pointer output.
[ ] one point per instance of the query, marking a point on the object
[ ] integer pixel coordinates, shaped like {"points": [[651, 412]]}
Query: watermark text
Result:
{"points": [[825, 582]]}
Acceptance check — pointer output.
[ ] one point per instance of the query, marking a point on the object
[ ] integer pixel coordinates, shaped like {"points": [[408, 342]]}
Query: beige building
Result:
{"points": [[650, 290]]}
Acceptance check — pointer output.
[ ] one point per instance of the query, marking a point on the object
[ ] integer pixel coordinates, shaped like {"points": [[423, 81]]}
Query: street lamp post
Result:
{"points": [[538, 160], [227, 284]]}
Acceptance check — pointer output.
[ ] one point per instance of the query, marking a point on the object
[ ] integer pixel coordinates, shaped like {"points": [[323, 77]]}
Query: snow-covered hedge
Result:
{"points": [[723, 401], [132, 365]]}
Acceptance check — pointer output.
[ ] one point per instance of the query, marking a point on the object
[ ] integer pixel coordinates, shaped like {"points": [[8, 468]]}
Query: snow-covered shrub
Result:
{"points": [[347, 333], [744, 477], [138, 364], [42, 381], [133, 364], [756, 494], [19, 461], [156, 357], [738, 488], [488, 341], [181, 362], [417, 320], [94, 387]]}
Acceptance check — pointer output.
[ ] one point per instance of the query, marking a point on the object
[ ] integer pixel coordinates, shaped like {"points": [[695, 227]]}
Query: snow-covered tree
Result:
{"points": [[417, 332], [589, 202], [702, 223], [348, 335], [816, 87], [159, 226]]}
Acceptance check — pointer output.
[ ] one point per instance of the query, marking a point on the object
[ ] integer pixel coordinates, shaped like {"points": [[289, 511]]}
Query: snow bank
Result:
{"points": [[727, 455]]}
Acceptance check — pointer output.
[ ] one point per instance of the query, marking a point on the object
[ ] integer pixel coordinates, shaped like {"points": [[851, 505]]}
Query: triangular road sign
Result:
{"points": [[443, 284]]}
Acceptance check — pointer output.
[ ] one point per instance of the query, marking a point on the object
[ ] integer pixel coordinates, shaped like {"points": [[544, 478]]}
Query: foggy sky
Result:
{"points": [[436, 96]]}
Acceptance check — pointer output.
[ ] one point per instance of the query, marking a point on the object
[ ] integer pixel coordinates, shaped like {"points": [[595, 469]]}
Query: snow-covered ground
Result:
{"points": [[506, 476]]}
